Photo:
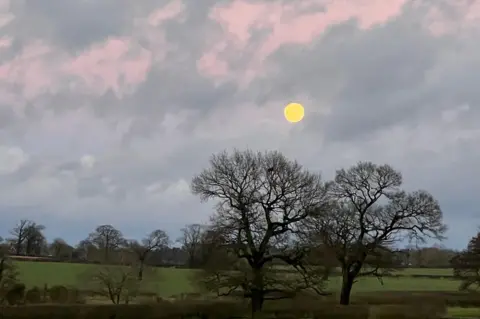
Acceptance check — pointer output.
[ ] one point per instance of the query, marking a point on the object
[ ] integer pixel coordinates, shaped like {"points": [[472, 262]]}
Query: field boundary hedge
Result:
{"points": [[220, 310]]}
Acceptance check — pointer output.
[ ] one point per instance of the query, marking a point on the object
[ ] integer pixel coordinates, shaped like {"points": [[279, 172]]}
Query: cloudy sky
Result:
{"points": [[108, 107]]}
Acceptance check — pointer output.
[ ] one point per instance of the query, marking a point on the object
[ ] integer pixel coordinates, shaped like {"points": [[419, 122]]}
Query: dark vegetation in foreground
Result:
{"points": [[278, 233], [43, 304]]}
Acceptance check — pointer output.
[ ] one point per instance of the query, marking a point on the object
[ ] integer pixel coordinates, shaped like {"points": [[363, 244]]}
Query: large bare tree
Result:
{"points": [[155, 241], [261, 200], [370, 213]]}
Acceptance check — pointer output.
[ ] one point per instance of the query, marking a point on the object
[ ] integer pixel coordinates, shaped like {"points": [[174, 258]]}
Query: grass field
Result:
{"points": [[174, 281]]}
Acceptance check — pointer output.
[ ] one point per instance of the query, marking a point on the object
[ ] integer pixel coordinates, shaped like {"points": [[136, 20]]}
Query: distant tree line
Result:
{"points": [[106, 243]]}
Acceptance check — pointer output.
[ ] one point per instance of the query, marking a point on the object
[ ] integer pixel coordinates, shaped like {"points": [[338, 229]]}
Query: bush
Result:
{"points": [[58, 294], [215, 310], [33, 295], [15, 294]]}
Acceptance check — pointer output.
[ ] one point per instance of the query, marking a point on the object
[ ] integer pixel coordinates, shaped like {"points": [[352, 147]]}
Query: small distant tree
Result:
{"points": [[191, 240], [155, 241], [107, 239], [466, 265], [261, 201], [59, 248], [117, 283], [85, 250], [35, 242]]}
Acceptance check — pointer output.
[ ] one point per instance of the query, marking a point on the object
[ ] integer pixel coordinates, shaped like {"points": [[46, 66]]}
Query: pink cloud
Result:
{"points": [[210, 64], [31, 69], [168, 12], [111, 65], [289, 25], [119, 64], [462, 15]]}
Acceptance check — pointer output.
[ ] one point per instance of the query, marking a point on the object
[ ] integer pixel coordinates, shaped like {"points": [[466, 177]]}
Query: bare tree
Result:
{"points": [[262, 198], [118, 283], [107, 238], [368, 215], [155, 241], [191, 239], [19, 233], [466, 264]]}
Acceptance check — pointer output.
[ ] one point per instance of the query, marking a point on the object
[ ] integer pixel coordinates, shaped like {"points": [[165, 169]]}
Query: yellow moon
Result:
{"points": [[294, 112]]}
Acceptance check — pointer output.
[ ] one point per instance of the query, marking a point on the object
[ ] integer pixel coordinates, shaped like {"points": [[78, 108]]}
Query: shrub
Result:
{"points": [[59, 294], [33, 295], [15, 294]]}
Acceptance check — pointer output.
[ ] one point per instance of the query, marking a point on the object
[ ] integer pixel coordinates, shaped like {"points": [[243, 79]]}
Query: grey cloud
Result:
{"points": [[377, 77], [75, 25], [90, 187], [7, 116]]}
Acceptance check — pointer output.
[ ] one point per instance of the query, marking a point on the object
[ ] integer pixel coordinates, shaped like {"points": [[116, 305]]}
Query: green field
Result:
{"points": [[172, 281]]}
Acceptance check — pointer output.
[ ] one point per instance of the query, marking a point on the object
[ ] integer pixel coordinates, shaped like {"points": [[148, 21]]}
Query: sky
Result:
{"points": [[108, 108]]}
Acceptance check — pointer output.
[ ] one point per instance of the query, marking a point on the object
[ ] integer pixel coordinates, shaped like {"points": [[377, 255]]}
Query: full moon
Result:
{"points": [[294, 112]]}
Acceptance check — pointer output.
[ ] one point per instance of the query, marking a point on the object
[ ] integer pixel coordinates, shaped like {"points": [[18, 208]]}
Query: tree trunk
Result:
{"points": [[140, 271], [28, 247], [257, 296], [2, 268], [18, 247], [256, 300], [191, 260], [347, 284]]}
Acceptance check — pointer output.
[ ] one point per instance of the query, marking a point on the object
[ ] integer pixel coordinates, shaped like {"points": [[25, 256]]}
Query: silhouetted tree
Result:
{"points": [[368, 214], [262, 198]]}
